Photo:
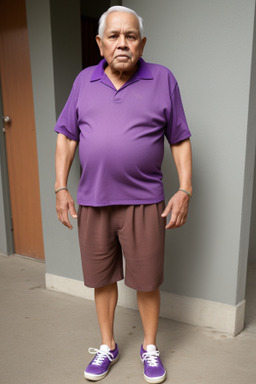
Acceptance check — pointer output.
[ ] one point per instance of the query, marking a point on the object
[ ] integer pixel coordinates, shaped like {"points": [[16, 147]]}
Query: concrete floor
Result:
{"points": [[45, 337]]}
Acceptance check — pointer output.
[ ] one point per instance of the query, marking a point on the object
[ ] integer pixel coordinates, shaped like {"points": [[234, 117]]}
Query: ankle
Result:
{"points": [[110, 343], [112, 346], [148, 342]]}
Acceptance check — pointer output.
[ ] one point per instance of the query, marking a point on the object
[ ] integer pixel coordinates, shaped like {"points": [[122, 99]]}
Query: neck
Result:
{"points": [[120, 76]]}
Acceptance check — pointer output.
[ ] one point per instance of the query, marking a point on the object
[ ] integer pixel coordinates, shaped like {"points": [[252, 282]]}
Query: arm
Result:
{"points": [[65, 152], [178, 204]]}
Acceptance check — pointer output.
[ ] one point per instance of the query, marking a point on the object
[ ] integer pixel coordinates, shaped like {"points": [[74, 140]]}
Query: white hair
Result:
{"points": [[118, 8]]}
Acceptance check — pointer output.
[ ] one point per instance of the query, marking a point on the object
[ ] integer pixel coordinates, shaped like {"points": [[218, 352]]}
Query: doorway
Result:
{"points": [[90, 14], [19, 130]]}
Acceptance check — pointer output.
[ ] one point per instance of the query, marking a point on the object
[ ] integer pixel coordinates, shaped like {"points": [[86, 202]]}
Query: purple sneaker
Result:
{"points": [[154, 371], [101, 363]]}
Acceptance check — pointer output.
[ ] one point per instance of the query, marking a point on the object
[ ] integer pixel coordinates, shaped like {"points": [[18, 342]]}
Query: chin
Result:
{"points": [[124, 67]]}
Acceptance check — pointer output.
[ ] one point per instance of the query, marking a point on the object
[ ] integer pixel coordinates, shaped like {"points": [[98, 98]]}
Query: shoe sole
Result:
{"points": [[92, 377], [154, 380]]}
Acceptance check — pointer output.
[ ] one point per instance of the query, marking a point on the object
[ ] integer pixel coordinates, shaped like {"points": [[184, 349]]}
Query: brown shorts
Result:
{"points": [[108, 233]]}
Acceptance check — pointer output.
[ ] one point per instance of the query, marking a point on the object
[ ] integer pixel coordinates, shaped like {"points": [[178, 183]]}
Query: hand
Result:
{"points": [[178, 206], [65, 203]]}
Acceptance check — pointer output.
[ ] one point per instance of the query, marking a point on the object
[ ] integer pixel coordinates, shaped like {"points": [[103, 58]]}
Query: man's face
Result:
{"points": [[121, 44]]}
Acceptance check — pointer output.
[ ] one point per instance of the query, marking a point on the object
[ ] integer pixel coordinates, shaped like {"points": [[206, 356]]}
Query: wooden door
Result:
{"points": [[20, 133]]}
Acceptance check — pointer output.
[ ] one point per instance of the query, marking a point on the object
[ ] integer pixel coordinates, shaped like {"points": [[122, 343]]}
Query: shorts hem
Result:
{"points": [[88, 285], [147, 289]]}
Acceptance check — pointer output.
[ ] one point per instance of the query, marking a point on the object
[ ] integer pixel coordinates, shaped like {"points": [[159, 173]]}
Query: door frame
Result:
{"points": [[5, 186]]}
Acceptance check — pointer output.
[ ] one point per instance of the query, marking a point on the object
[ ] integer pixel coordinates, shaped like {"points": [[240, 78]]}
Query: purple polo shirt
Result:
{"points": [[121, 133]]}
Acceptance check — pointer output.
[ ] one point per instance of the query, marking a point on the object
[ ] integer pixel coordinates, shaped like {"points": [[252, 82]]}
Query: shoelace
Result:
{"points": [[100, 356], [151, 358]]}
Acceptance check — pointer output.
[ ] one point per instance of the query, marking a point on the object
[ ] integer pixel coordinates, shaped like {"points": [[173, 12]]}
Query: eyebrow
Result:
{"points": [[129, 31]]}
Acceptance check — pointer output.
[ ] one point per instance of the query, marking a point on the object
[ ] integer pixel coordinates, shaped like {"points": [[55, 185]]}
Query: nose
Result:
{"points": [[122, 44]]}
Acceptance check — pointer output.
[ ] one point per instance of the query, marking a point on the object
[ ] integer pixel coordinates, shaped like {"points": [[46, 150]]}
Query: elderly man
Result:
{"points": [[119, 112]]}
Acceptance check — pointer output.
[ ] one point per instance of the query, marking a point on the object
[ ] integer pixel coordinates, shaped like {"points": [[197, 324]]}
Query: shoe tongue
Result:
{"points": [[151, 348], [104, 348]]}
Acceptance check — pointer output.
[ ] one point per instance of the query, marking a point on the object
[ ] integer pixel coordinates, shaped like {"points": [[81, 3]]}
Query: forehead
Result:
{"points": [[122, 20]]}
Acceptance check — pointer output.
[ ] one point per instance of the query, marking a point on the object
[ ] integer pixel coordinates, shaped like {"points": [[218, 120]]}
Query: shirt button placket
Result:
{"points": [[117, 97]]}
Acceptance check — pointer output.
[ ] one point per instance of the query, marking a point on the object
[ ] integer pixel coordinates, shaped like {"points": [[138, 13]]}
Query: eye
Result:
{"points": [[113, 36], [131, 37]]}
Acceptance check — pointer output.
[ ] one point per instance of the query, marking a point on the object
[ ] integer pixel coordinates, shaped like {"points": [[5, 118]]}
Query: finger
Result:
{"points": [[178, 221], [63, 217], [64, 203], [171, 224], [72, 209], [65, 221], [172, 221], [167, 209]]}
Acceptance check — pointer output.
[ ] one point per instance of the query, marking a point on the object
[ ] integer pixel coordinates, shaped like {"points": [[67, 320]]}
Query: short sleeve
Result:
{"points": [[67, 121], [177, 127]]}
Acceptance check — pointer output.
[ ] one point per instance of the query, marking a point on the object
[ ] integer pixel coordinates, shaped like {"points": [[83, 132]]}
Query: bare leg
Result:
{"points": [[149, 307], [105, 301]]}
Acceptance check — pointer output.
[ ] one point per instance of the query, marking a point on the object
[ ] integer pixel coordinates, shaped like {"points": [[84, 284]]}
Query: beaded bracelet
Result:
{"points": [[61, 189], [188, 193]]}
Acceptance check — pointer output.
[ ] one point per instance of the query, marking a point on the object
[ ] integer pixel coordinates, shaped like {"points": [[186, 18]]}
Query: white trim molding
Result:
{"points": [[218, 316]]}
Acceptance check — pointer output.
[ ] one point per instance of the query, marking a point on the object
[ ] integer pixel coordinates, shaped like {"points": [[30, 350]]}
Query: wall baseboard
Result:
{"points": [[218, 316]]}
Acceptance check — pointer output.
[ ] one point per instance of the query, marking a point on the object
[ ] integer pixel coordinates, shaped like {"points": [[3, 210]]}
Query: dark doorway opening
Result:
{"points": [[90, 14]]}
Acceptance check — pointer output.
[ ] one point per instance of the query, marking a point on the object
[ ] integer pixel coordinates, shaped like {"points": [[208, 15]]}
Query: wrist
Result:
{"points": [[60, 189], [188, 191], [187, 187], [60, 184]]}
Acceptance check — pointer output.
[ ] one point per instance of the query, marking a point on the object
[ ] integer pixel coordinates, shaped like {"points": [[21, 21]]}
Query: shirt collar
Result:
{"points": [[143, 71]]}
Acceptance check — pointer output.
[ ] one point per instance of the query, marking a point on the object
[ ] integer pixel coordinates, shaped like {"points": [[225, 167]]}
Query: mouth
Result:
{"points": [[123, 56]]}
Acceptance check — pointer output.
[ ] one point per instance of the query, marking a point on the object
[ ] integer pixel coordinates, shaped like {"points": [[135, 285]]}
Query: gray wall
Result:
{"points": [[66, 47], [55, 61], [252, 249], [249, 194], [208, 46]]}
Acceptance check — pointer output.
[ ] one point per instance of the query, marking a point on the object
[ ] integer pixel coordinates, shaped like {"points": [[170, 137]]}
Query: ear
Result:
{"points": [[99, 42], [143, 43]]}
